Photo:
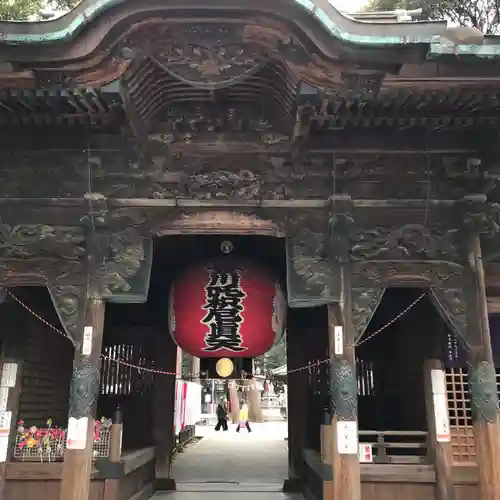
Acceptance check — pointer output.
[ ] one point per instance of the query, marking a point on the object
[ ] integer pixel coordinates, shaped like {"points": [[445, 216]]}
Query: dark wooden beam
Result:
{"points": [[370, 141]]}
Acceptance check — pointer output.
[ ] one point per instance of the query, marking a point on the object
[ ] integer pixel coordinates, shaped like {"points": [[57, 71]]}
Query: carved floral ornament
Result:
{"points": [[219, 55]]}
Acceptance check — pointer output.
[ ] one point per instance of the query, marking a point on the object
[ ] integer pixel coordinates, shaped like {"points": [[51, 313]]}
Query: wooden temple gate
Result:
{"points": [[370, 151]]}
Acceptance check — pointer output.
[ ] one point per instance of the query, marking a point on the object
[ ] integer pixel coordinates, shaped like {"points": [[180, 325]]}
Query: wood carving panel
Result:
{"points": [[450, 302], [313, 279], [409, 273], [407, 242], [235, 122], [211, 176], [43, 175], [215, 55], [364, 304], [41, 240]]}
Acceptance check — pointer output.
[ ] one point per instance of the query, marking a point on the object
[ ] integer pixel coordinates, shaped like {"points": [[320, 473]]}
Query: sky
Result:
{"points": [[349, 5], [343, 5]]}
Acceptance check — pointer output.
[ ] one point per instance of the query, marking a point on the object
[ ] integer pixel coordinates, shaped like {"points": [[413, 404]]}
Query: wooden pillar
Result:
{"points": [[11, 365], [481, 371], [297, 410], [345, 445], [163, 410], [178, 364], [234, 401], [195, 369], [84, 392], [439, 443], [253, 397]]}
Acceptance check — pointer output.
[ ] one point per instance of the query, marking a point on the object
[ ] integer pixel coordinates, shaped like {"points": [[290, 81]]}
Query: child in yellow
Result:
{"points": [[243, 418]]}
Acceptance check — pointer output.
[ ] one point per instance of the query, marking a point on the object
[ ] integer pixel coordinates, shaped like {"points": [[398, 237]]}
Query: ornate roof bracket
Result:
{"points": [[70, 303], [365, 302], [450, 303], [120, 257], [313, 279]]}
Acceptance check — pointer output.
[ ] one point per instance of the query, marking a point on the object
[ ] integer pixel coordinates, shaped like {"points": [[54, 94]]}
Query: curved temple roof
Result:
{"points": [[336, 24], [94, 44]]}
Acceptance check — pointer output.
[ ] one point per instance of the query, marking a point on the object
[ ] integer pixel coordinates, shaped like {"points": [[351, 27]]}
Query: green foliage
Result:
{"points": [[274, 358], [23, 10], [481, 14], [19, 10]]}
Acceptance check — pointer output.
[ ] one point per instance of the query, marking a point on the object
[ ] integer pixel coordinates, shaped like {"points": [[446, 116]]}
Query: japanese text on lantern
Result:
{"points": [[224, 304]]}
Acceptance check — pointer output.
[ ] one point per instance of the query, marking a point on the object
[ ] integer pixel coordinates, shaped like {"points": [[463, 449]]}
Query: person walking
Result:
{"points": [[221, 413], [243, 418]]}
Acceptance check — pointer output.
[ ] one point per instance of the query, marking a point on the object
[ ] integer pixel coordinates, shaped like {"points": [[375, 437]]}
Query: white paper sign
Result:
{"points": [[365, 453], [438, 381], [4, 448], [87, 340], [338, 334], [4, 398], [5, 422], [443, 434], [77, 433], [9, 375], [347, 438]]}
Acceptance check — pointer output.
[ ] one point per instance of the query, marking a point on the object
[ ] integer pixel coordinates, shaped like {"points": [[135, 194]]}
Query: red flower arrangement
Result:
{"points": [[49, 443]]}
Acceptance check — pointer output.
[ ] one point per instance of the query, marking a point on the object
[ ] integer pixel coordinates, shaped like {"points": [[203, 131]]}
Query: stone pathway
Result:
{"points": [[253, 465]]}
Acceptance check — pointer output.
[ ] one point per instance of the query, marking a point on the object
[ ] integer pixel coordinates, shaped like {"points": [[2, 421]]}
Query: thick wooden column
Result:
{"points": [[11, 364], [178, 363], [345, 445], [481, 370], [195, 369], [438, 424], [163, 409], [297, 390], [84, 392]]}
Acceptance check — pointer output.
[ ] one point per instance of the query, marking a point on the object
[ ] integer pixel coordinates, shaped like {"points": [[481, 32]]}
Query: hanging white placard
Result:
{"points": [[9, 375], [347, 438], [87, 340], [365, 453], [338, 335], [4, 398], [5, 423], [438, 381], [4, 448], [443, 434], [77, 433]]}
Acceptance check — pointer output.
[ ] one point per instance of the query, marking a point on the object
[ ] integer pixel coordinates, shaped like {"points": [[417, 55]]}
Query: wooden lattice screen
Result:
{"points": [[462, 438]]}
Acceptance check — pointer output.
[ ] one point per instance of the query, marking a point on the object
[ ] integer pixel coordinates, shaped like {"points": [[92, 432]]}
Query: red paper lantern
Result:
{"points": [[226, 311]]}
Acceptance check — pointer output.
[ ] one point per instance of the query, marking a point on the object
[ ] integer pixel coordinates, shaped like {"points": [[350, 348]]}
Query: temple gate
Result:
{"points": [[367, 151]]}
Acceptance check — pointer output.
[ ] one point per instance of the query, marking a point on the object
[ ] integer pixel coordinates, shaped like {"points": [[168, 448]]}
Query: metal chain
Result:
{"points": [[311, 365], [393, 320]]}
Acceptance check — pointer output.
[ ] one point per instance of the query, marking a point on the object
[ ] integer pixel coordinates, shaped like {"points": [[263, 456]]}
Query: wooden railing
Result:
{"points": [[396, 447]]}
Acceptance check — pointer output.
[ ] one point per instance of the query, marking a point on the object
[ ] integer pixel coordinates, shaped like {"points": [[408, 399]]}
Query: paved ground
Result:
{"points": [[221, 464]]}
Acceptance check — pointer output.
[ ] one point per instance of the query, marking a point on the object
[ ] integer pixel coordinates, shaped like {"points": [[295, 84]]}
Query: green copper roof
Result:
{"points": [[336, 24], [70, 24]]}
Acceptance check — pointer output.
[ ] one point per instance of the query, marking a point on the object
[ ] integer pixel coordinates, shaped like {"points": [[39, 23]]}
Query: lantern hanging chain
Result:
{"points": [[39, 318], [311, 365], [392, 321]]}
